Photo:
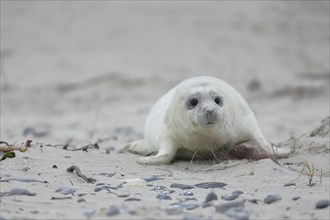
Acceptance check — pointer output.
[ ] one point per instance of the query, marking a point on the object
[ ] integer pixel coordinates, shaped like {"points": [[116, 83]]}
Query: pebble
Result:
{"points": [[163, 196], [100, 188], [323, 203], [19, 191], [212, 185], [289, 184], [191, 206], [113, 210], [189, 217], [211, 196], [272, 198], [186, 193], [123, 195], [296, 198], [238, 213], [254, 201], [181, 186], [66, 190], [132, 199], [179, 207], [231, 196], [224, 207], [89, 212], [107, 174], [158, 188], [152, 178], [61, 198], [34, 212]]}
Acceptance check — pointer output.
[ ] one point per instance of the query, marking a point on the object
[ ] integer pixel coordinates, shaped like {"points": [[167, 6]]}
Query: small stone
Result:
{"points": [[289, 184], [238, 213], [231, 196], [181, 186], [107, 174], [296, 198], [163, 197], [272, 198], [152, 178], [113, 210], [177, 208], [174, 209], [254, 201], [122, 195], [212, 185], [66, 190], [224, 207], [194, 218], [323, 203], [89, 212], [19, 191], [186, 193], [211, 196], [34, 211], [132, 199], [158, 188]]}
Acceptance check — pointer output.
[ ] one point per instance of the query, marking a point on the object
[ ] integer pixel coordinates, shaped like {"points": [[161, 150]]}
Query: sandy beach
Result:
{"points": [[78, 79]]}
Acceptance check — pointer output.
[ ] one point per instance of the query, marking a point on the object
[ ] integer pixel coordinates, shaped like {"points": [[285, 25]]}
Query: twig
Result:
{"points": [[78, 172]]}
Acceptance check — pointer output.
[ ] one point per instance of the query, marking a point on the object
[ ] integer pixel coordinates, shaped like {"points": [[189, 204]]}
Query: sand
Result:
{"points": [[78, 73]]}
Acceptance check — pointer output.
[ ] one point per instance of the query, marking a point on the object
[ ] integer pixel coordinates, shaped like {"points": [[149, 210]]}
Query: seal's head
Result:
{"points": [[204, 107], [201, 105]]}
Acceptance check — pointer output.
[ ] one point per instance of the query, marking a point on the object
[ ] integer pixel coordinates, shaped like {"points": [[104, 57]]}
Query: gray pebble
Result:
{"points": [[174, 209], [163, 197], [177, 208], [238, 213], [289, 184], [212, 185], [132, 199], [194, 218], [152, 178], [100, 188], [272, 198], [296, 198], [323, 203], [158, 188], [231, 196], [18, 192], [224, 207], [181, 186], [123, 195], [107, 174], [254, 201], [186, 193], [66, 190], [89, 212], [34, 211], [211, 196], [113, 210]]}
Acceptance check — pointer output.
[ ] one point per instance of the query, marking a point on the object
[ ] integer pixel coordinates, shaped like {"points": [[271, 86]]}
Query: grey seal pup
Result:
{"points": [[202, 117]]}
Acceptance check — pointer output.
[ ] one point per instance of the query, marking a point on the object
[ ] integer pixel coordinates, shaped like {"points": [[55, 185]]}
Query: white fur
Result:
{"points": [[171, 130]]}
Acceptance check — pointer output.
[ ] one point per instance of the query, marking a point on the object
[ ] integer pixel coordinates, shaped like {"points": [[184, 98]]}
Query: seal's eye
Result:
{"points": [[218, 101], [193, 102]]}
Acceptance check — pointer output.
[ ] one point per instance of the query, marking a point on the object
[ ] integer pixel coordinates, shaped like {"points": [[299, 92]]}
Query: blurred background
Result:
{"points": [[89, 71]]}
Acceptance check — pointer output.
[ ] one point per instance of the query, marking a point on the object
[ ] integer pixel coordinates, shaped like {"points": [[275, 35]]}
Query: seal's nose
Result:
{"points": [[210, 115], [209, 112]]}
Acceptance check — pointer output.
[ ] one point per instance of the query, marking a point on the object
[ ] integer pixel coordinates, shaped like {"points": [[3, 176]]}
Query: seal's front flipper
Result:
{"points": [[165, 155], [137, 147]]}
